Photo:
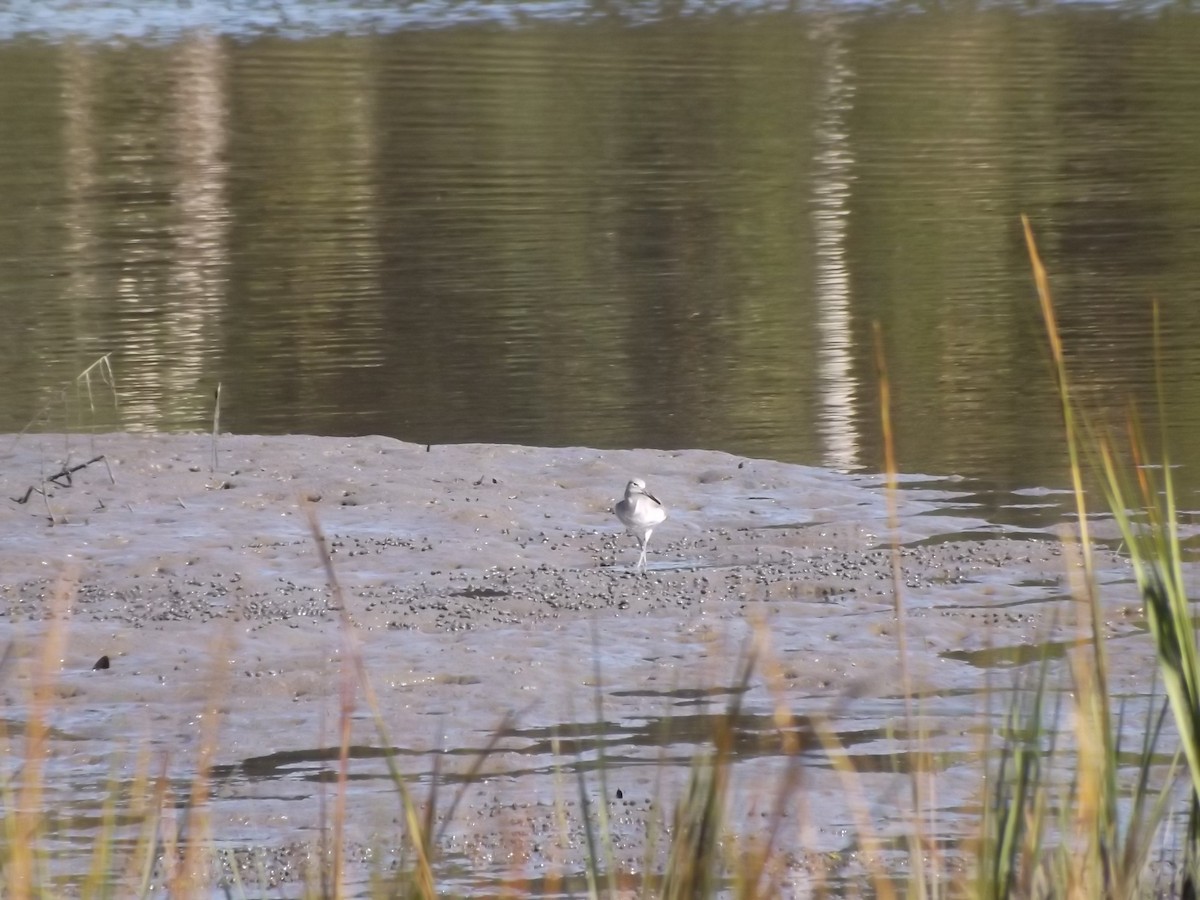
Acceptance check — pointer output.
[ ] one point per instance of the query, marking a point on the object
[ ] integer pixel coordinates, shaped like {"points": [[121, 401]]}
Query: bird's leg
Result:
{"points": [[645, 542]]}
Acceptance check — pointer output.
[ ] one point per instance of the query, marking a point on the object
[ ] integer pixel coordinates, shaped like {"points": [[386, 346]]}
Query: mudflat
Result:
{"points": [[491, 595]]}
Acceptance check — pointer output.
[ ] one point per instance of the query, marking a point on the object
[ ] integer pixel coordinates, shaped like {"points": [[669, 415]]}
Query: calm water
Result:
{"points": [[601, 224]]}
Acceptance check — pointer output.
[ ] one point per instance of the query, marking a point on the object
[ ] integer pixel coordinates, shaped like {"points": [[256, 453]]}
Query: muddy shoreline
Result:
{"points": [[154, 532], [485, 581]]}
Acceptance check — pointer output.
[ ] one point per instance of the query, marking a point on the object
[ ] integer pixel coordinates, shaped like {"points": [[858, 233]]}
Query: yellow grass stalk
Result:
{"points": [[27, 819]]}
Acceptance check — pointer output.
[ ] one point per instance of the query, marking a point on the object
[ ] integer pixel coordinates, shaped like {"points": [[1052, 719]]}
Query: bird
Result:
{"points": [[640, 512]]}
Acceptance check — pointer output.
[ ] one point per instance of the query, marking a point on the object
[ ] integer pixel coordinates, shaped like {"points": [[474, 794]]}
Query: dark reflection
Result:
{"points": [[1010, 511], [675, 233], [589, 747], [1012, 656], [685, 696], [976, 534], [753, 735]]}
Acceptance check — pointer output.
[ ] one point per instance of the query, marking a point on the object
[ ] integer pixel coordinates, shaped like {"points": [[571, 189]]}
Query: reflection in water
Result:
{"points": [[1012, 657], [832, 176], [198, 269], [79, 214], [668, 235]]}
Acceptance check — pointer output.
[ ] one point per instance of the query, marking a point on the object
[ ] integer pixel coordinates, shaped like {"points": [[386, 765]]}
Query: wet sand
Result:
{"points": [[481, 582]]}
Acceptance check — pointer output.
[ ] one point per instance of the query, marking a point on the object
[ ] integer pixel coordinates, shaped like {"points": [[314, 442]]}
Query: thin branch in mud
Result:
{"points": [[24, 498], [101, 370], [61, 478], [216, 427], [6, 661], [66, 472]]}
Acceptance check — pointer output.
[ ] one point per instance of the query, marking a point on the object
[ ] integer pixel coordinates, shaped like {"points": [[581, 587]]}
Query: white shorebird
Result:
{"points": [[640, 512]]}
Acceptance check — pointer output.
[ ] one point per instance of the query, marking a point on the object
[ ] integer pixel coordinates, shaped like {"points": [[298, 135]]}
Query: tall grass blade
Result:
{"points": [[923, 853], [1110, 862], [694, 861], [1146, 513]]}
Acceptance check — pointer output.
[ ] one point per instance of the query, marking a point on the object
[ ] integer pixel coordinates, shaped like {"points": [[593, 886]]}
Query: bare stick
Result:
{"points": [[101, 370], [216, 427]]}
